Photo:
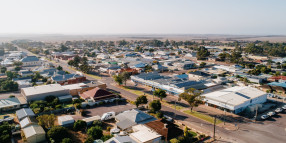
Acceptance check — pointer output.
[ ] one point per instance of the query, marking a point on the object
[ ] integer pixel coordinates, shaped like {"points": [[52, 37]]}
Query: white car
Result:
{"points": [[278, 110], [107, 116], [264, 117], [271, 114], [284, 107]]}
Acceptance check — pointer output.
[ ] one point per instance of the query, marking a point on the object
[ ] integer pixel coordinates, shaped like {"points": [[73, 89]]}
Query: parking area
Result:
{"points": [[99, 110]]}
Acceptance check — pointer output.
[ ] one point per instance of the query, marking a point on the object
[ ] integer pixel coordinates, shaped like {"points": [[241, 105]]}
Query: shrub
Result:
{"points": [[58, 133], [97, 123], [67, 140], [106, 137], [95, 132], [108, 128], [79, 125], [159, 114], [59, 106], [89, 140]]}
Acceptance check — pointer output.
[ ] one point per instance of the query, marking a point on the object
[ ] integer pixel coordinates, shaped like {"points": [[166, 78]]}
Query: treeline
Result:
{"points": [[266, 49]]}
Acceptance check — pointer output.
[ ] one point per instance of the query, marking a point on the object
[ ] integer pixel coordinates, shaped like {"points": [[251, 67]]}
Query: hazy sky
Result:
{"points": [[143, 16]]}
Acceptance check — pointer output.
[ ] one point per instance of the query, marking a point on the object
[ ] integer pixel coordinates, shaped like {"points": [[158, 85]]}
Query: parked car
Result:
{"points": [[271, 113], [284, 107], [278, 110], [107, 116], [264, 117]]}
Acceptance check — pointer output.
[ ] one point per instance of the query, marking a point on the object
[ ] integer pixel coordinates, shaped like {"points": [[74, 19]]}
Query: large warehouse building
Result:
{"points": [[235, 99], [40, 92]]}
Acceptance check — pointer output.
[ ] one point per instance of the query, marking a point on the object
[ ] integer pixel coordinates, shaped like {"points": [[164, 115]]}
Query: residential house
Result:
{"points": [[34, 134], [97, 94], [143, 134], [68, 79], [24, 112], [31, 61]]}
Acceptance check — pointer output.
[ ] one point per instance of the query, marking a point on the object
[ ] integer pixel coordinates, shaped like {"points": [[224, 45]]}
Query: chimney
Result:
{"points": [[165, 125]]}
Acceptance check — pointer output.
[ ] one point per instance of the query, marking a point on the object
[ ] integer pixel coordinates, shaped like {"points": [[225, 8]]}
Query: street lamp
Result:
{"points": [[225, 110]]}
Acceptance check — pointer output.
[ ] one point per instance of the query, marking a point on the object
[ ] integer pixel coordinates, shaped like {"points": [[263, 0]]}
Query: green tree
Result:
{"points": [[76, 61], [202, 53], [71, 62], [17, 68], [5, 133], [67, 140], [3, 69], [174, 140], [155, 105], [95, 132], [46, 120], [193, 97], [89, 140], [141, 100], [58, 133], [63, 48], [9, 85], [85, 68], [60, 68], [125, 76], [160, 93], [79, 125], [118, 79], [203, 64]]}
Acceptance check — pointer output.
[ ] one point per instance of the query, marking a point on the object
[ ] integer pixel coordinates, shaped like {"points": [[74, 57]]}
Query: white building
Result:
{"points": [[235, 99], [65, 120], [31, 61], [143, 134]]}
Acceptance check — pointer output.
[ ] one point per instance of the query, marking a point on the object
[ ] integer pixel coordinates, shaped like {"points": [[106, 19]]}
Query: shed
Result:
{"points": [[24, 112], [66, 120], [90, 120], [34, 134]]}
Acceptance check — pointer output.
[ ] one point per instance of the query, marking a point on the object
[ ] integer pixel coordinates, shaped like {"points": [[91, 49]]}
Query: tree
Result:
{"points": [[76, 61], [46, 52], [60, 68], [67, 140], [89, 140], [85, 68], [202, 53], [79, 125], [95, 132], [3, 69], [58, 133], [17, 63], [193, 97], [17, 68], [125, 76], [174, 140], [71, 62], [155, 105], [141, 100], [63, 48], [118, 79], [5, 133], [203, 64], [9, 85], [46, 120], [160, 93]]}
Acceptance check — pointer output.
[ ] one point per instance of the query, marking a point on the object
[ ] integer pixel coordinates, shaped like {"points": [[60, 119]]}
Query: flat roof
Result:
{"points": [[74, 86], [65, 118], [42, 89], [234, 95]]}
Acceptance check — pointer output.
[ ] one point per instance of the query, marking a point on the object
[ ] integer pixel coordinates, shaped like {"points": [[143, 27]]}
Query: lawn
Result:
{"points": [[202, 116]]}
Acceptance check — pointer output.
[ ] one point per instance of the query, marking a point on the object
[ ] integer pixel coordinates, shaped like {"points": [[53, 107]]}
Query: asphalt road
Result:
{"points": [[270, 131]]}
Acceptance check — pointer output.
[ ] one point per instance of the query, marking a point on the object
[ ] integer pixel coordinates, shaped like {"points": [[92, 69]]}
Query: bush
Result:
{"points": [[95, 132], [59, 106], [58, 133], [159, 114], [66, 140], [79, 125], [97, 123], [106, 137], [89, 140], [108, 128], [174, 140], [5, 133]]}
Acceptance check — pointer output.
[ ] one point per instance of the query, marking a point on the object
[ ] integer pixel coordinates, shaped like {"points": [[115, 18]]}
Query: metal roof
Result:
{"points": [[30, 59], [33, 130], [30, 91], [9, 102], [24, 112]]}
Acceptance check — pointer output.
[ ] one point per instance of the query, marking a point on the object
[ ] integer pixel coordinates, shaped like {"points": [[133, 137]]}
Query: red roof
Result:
{"points": [[277, 78], [97, 94]]}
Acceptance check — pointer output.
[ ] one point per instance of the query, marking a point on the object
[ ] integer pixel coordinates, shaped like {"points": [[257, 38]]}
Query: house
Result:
{"points": [[40, 92], [24, 112], [143, 134], [198, 75], [235, 99], [27, 121], [277, 78], [34, 134], [97, 94], [9, 104], [165, 128], [64, 55], [25, 73], [129, 118], [68, 79], [76, 89], [90, 120], [121, 139], [31, 61]]}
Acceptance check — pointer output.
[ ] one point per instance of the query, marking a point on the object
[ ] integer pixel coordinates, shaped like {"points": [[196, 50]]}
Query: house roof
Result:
{"points": [[282, 84], [277, 78], [96, 93], [24, 112], [9, 102], [65, 77], [131, 117], [30, 59], [199, 73], [143, 134], [33, 130], [120, 139], [27, 121]]}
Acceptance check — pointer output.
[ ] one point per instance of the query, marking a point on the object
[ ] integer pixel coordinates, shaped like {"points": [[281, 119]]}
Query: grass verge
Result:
{"points": [[202, 116]]}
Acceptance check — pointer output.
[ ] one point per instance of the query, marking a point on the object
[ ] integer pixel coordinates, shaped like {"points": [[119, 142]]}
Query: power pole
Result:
{"points": [[214, 126]]}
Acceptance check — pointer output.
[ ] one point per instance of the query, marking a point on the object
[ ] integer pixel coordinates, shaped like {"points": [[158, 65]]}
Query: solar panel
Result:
{"points": [[240, 94]]}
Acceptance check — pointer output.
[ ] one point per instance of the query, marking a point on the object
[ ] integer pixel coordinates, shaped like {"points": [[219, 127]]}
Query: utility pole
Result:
{"points": [[214, 126]]}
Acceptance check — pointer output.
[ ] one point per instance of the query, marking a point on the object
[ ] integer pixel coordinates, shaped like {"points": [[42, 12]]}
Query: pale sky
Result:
{"points": [[143, 17]]}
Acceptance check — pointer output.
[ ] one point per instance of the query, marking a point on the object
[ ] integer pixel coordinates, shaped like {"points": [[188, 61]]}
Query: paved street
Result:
{"points": [[273, 130]]}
